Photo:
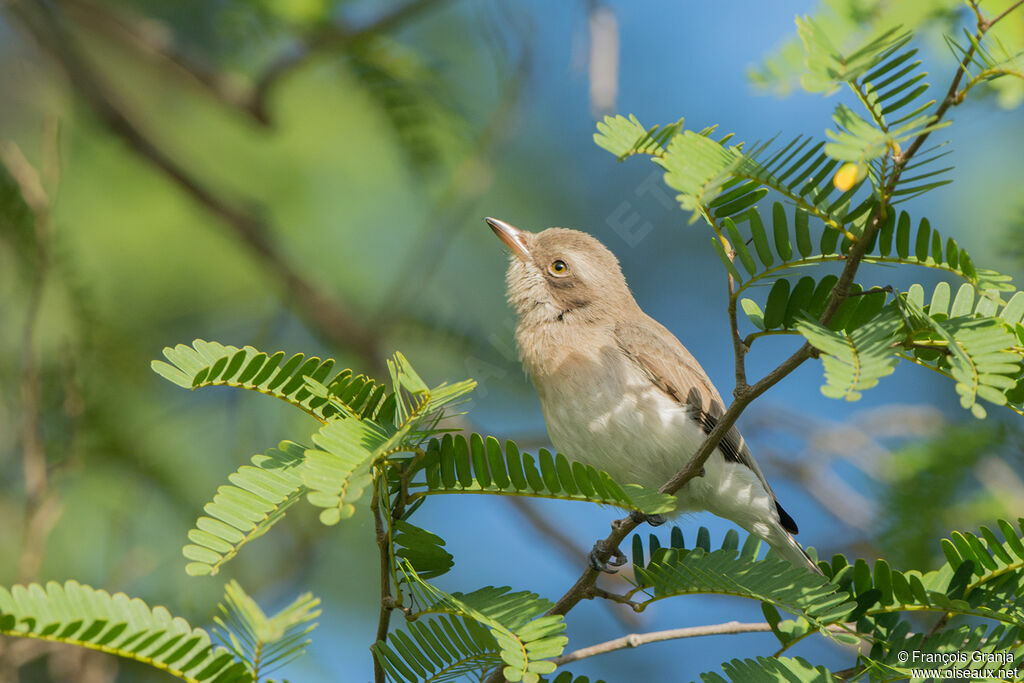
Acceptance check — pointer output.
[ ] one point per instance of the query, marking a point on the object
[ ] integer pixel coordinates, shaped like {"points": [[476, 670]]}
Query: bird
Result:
{"points": [[620, 392]]}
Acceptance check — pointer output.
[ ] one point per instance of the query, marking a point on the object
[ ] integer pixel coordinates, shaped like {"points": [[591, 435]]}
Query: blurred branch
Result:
{"points": [[329, 38], [41, 508], [325, 315], [152, 39]]}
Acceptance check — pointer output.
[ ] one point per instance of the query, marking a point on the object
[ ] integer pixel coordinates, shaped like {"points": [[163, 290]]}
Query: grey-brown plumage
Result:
{"points": [[619, 391]]}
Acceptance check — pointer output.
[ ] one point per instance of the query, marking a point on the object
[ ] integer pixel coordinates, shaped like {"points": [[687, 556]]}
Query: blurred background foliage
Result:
{"points": [[310, 175]]}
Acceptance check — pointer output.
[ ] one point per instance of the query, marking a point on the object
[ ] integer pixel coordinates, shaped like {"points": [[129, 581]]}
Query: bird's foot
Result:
{"points": [[617, 558], [653, 520]]}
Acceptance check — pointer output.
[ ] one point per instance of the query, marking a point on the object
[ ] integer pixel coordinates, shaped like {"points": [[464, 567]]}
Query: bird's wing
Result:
{"points": [[674, 370]]}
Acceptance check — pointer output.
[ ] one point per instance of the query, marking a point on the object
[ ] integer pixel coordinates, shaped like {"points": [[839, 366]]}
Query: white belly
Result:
{"points": [[640, 435]]}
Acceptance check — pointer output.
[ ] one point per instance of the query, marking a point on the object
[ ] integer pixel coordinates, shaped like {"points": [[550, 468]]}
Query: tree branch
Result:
{"points": [[151, 39], [638, 639]]}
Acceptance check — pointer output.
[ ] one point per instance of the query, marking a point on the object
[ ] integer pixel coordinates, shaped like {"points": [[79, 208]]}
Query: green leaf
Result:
{"points": [[773, 581], [512, 473], [625, 137], [770, 670], [526, 638], [981, 350], [422, 549], [760, 237], [118, 625], [257, 498], [339, 470], [444, 648], [698, 167], [855, 361], [777, 304], [739, 246], [780, 231], [212, 364], [753, 312], [265, 643]]}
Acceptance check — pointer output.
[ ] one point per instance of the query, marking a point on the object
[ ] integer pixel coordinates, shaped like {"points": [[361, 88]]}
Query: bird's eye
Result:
{"points": [[558, 268]]}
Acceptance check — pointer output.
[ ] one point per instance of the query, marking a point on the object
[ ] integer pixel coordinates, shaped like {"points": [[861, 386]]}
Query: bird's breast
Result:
{"points": [[602, 410]]}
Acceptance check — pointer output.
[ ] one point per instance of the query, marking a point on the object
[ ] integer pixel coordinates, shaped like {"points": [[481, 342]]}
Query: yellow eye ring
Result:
{"points": [[558, 267]]}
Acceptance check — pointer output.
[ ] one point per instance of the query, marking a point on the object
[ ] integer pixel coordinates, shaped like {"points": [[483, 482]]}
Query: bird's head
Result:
{"points": [[560, 272]]}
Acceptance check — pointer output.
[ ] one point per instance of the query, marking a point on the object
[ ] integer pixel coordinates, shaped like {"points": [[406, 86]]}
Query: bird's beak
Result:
{"points": [[513, 237]]}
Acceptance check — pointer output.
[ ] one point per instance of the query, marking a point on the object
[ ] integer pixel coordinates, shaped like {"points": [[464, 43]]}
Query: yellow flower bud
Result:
{"points": [[847, 176]]}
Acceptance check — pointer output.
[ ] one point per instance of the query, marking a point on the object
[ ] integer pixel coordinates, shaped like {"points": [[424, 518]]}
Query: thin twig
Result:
{"points": [[985, 26], [387, 601], [739, 345], [638, 639], [596, 592]]}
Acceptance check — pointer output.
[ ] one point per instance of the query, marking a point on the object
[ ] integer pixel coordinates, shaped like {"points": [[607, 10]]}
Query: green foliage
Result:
{"points": [[978, 352], [566, 677], [981, 578], [995, 644], [625, 137], [119, 625], [258, 496], [444, 648], [829, 66], [388, 440], [479, 465], [339, 470], [412, 98], [863, 339], [770, 670], [509, 629], [421, 549], [833, 202], [855, 361], [988, 63], [896, 243], [265, 643], [736, 571], [207, 364]]}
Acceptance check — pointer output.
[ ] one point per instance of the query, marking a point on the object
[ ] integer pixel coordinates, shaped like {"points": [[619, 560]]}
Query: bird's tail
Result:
{"points": [[783, 543]]}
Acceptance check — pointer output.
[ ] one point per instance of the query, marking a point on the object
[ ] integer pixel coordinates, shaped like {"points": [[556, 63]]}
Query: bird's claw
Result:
{"points": [[653, 520], [617, 558]]}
